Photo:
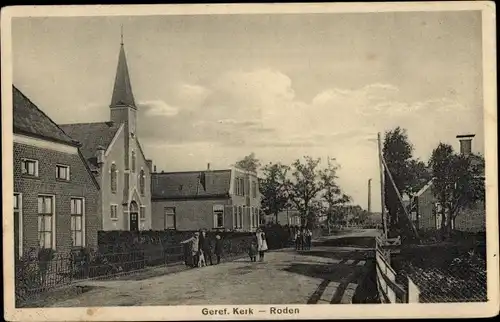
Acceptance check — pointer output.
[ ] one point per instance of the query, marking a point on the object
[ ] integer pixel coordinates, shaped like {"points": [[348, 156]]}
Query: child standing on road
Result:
{"points": [[252, 251], [218, 248]]}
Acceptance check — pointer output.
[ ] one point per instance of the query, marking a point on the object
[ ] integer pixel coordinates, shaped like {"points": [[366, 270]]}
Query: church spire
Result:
{"points": [[122, 91]]}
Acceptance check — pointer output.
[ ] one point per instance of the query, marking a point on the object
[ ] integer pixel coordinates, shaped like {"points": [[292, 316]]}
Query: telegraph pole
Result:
{"points": [[382, 184]]}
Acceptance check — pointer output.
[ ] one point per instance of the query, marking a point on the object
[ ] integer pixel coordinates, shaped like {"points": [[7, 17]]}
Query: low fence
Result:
{"points": [[393, 288], [121, 253]]}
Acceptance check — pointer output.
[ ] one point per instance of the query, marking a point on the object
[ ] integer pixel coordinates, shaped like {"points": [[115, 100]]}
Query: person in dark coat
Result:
{"points": [[218, 248], [206, 246]]}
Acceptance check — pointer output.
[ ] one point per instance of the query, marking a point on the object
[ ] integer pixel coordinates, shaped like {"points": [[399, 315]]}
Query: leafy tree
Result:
{"points": [[249, 163], [332, 194], [304, 187], [458, 182], [419, 176], [398, 153], [273, 188]]}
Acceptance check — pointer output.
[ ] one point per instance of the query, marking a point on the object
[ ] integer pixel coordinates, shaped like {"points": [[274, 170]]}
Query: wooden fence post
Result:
{"points": [[413, 292]]}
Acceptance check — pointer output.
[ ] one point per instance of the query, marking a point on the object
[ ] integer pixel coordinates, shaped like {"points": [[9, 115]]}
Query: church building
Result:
{"points": [[116, 158]]}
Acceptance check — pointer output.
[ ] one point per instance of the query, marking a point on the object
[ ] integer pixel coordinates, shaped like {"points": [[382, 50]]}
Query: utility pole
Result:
{"points": [[382, 185], [370, 195]]}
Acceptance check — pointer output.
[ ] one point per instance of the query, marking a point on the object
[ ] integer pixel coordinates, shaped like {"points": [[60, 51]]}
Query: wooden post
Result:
{"points": [[382, 185], [413, 292]]}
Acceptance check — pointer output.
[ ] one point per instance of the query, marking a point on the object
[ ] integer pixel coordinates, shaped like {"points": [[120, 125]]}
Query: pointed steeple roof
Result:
{"points": [[122, 92]]}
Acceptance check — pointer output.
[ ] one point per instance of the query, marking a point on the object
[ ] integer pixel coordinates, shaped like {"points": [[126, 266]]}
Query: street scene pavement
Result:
{"points": [[330, 272]]}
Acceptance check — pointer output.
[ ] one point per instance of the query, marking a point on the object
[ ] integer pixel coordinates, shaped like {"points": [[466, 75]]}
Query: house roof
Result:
{"points": [[181, 185], [122, 91], [91, 136], [424, 188], [30, 120]]}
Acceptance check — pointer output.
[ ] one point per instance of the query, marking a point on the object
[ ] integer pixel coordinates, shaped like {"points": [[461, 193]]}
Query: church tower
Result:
{"points": [[123, 108]]}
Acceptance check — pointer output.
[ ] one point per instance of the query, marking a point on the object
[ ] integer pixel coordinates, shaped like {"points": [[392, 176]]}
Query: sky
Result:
{"points": [[214, 88]]}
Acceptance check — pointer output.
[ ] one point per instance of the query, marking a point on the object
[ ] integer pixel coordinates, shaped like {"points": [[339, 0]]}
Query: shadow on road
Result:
{"points": [[359, 242]]}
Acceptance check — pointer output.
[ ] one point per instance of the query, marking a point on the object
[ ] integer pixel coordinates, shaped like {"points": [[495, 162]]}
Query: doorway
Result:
{"points": [[134, 216]]}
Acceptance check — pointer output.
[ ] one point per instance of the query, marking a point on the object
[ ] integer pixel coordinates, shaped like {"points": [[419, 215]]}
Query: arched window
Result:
{"points": [[133, 161], [113, 178], [142, 182]]}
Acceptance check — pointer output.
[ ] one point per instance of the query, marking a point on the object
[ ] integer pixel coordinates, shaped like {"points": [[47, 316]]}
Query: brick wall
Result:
{"points": [[190, 214], [80, 185]]}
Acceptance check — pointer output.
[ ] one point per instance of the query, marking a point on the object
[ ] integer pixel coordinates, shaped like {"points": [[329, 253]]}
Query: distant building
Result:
{"points": [[56, 197], [426, 210], [113, 152], [210, 199]]}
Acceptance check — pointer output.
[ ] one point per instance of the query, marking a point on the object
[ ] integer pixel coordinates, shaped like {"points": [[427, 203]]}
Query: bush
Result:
{"points": [[31, 271]]}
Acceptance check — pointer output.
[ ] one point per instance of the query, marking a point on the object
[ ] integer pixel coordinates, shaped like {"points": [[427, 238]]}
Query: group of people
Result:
{"points": [[303, 239], [199, 251]]}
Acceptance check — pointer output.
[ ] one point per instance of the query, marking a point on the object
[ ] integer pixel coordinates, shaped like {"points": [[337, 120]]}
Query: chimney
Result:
{"points": [[208, 166], [465, 143], [100, 155], [154, 169], [150, 164]]}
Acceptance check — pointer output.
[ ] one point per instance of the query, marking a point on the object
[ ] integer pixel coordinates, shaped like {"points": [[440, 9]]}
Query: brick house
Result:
{"points": [[425, 210], [56, 197], [115, 156], [211, 199]]}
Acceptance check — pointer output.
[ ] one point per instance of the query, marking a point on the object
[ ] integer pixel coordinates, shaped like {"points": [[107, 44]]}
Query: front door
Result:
{"points": [[134, 222]]}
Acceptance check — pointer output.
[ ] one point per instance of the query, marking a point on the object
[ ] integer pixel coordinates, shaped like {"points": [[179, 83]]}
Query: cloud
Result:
{"points": [[158, 108]]}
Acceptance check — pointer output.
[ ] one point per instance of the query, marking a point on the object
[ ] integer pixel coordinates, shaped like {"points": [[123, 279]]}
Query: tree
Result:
{"points": [[331, 193], [419, 176], [397, 152], [304, 187], [273, 188], [249, 163], [458, 183]]}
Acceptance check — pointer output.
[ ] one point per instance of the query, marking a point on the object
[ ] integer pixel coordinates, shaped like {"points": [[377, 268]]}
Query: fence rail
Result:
{"points": [[389, 283]]}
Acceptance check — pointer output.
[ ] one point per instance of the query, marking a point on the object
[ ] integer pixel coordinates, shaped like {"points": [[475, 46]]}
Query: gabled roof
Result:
{"points": [[424, 188], [186, 185], [91, 136], [30, 120], [122, 91]]}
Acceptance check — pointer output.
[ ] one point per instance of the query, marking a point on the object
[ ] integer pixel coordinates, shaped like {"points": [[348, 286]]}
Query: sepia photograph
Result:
{"points": [[249, 161]]}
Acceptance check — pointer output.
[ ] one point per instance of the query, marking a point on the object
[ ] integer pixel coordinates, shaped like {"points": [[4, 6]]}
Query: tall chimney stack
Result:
{"points": [[370, 195], [466, 143], [154, 169], [208, 166]]}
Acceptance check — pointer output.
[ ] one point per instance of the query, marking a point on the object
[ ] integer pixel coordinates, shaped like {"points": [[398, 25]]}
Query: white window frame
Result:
{"points": [[240, 216], [235, 216], [142, 211], [165, 215], [67, 169], [84, 237], [54, 212], [23, 160], [115, 206], [218, 209], [19, 211]]}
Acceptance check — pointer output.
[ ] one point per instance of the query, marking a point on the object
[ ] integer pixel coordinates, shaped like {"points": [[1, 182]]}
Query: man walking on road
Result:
{"points": [[205, 246]]}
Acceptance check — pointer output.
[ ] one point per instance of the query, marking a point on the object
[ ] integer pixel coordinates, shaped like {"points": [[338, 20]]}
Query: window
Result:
{"points": [[114, 212], [45, 221], [235, 216], [254, 189], [142, 213], [29, 167], [252, 217], [169, 218], [62, 172], [133, 161], [77, 221], [218, 211], [142, 182], [113, 178], [240, 217]]}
